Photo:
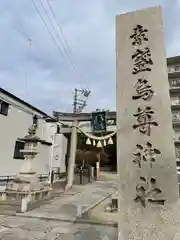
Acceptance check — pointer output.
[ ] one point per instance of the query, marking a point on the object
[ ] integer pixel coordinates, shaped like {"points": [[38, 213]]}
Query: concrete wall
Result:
{"points": [[59, 146], [42, 160], [13, 126], [59, 153]]}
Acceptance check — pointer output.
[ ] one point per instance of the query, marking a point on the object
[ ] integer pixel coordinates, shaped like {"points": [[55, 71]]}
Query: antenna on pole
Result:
{"points": [[29, 43], [22, 32], [80, 99]]}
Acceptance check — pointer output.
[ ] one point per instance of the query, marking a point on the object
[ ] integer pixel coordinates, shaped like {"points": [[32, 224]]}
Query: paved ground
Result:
{"points": [[68, 206], [98, 214], [57, 218], [18, 228]]}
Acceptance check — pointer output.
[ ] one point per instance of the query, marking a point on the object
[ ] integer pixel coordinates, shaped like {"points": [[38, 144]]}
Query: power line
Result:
{"points": [[65, 40], [84, 92], [28, 53], [29, 41], [54, 40], [49, 31], [62, 44], [51, 35], [22, 32]]}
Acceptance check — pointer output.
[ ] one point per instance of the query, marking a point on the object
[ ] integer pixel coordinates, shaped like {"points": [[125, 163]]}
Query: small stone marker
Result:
{"points": [[79, 210], [148, 185]]}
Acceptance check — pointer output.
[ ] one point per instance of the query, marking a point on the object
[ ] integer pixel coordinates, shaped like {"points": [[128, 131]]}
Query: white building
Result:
{"points": [[16, 116]]}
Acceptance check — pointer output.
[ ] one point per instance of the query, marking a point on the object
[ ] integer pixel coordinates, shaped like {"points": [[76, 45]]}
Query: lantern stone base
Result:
{"points": [[26, 191], [23, 201], [26, 182]]}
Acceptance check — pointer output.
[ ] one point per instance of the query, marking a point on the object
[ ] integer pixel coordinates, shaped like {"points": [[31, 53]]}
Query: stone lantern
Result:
{"points": [[26, 183]]}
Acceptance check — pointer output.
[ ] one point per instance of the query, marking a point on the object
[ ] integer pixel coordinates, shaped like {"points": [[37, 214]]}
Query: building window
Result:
{"points": [[4, 107], [35, 120], [19, 145]]}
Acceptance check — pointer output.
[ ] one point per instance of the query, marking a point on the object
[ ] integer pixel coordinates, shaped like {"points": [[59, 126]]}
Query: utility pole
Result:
{"points": [[80, 100], [75, 100]]}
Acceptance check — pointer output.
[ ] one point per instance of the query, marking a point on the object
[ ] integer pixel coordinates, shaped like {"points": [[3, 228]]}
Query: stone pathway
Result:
{"points": [[17, 228], [69, 205], [56, 220], [99, 215]]}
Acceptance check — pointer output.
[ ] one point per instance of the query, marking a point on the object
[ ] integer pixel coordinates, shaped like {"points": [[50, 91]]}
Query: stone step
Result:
{"points": [[56, 194], [11, 202], [8, 212], [37, 204], [10, 205], [8, 208]]}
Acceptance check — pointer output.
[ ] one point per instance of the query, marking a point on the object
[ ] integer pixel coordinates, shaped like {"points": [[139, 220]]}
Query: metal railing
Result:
{"points": [[174, 83], [176, 119], [43, 177], [5, 180], [177, 85], [175, 102], [173, 69]]}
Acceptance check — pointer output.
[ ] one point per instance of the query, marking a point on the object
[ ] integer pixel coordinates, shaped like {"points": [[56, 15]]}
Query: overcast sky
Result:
{"points": [[39, 74]]}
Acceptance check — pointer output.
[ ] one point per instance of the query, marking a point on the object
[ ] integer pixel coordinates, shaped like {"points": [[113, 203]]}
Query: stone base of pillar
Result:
{"points": [[26, 191], [150, 224], [23, 201], [3, 196], [67, 187], [26, 182]]}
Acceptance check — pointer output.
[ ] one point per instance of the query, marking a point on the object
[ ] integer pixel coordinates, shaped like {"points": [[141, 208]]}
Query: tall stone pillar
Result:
{"points": [[148, 187], [72, 156]]}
